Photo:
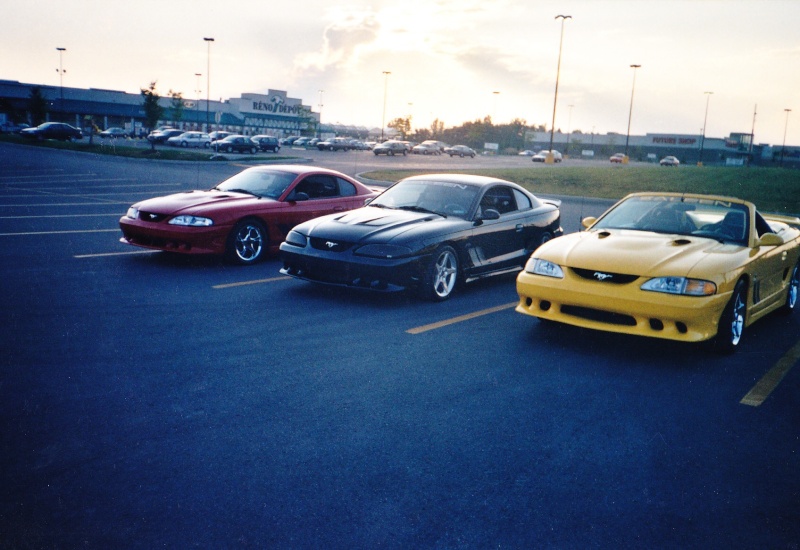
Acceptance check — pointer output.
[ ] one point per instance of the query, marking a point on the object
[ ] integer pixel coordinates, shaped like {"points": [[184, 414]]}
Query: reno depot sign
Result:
{"points": [[273, 104]]}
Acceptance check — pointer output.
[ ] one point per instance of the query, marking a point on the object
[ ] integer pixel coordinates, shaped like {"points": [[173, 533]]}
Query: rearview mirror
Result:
{"points": [[588, 222], [770, 239]]}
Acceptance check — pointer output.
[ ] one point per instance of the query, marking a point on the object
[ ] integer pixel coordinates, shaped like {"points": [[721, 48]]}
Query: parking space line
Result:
{"points": [[103, 254], [254, 282], [764, 387], [58, 232], [115, 214], [460, 318]]}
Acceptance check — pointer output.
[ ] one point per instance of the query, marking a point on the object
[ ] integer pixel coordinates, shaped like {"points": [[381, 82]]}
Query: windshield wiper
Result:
{"points": [[245, 191], [415, 208]]}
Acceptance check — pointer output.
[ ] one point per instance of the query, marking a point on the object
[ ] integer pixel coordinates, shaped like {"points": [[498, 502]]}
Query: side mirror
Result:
{"points": [[770, 239], [300, 196], [488, 214], [588, 222]]}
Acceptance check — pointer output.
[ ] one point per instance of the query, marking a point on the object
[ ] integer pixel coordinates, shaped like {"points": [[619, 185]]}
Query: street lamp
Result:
{"points": [[705, 121], [550, 158], [495, 106], [319, 104], [385, 85], [197, 91], [61, 72], [208, 82], [630, 111], [785, 127]]}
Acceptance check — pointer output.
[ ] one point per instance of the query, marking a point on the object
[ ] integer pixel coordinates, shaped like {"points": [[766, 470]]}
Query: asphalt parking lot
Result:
{"points": [[154, 401]]}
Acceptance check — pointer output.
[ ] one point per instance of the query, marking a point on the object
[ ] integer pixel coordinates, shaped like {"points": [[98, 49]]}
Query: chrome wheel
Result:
{"points": [[792, 291], [247, 242], [732, 321], [442, 274]]}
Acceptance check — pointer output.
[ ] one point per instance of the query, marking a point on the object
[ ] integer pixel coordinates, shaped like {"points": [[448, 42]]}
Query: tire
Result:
{"points": [[247, 242], [253, 150], [441, 275], [792, 292], [230, 149], [731, 323], [184, 144]]}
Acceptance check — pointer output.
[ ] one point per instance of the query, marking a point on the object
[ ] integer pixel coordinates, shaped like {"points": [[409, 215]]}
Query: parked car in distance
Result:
{"points": [[390, 148], [161, 136], [541, 156], [429, 233], [335, 144], [676, 266], [217, 135], [266, 143], [669, 161], [617, 158], [526, 153], [235, 144], [426, 149], [460, 151], [113, 133], [245, 216], [12, 128], [52, 130], [190, 139]]}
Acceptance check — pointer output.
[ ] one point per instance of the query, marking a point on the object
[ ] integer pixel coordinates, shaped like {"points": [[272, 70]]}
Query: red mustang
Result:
{"points": [[243, 217]]}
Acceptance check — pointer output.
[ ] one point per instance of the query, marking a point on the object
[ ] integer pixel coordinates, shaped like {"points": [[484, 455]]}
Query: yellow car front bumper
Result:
{"points": [[624, 308]]}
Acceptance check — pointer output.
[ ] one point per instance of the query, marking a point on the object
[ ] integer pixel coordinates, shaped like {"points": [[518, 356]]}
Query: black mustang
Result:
{"points": [[424, 232]]}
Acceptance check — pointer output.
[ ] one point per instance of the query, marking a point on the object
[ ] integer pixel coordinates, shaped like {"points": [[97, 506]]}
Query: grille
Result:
{"points": [[599, 315], [604, 276], [151, 217]]}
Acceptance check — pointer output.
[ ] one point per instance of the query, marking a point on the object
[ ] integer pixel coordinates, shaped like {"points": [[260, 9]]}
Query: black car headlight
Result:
{"points": [[296, 239], [387, 251]]}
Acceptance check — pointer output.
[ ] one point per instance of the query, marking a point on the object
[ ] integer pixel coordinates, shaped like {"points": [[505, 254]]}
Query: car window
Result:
{"points": [[500, 198], [318, 186], [346, 189], [523, 201]]}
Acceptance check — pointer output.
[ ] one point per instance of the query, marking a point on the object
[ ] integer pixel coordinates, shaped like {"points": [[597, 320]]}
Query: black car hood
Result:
{"points": [[373, 224]]}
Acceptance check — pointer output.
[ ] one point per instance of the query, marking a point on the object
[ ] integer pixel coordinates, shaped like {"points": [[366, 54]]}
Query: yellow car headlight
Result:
{"points": [[543, 267], [680, 285]]}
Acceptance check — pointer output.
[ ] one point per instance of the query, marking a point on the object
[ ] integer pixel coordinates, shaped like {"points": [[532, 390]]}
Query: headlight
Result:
{"points": [[543, 267], [680, 285], [132, 213], [296, 239], [192, 221], [387, 251]]}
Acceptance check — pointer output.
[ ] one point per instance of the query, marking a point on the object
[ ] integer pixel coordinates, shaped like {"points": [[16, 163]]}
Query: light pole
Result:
{"points": [[630, 111], [61, 72], [495, 94], [319, 105], [785, 127], [197, 91], [703, 137], [208, 82], [385, 86], [550, 159]]}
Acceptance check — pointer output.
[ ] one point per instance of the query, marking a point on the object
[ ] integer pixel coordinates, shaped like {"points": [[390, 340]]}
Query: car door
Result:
{"points": [[769, 265], [498, 244], [314, 196]]}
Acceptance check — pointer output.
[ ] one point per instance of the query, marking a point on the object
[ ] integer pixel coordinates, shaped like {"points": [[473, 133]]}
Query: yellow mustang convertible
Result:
{"points": [[676, 266]]}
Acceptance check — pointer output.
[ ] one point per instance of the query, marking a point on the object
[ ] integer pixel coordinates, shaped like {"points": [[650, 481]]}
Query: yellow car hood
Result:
{"points": [[638, 253]]}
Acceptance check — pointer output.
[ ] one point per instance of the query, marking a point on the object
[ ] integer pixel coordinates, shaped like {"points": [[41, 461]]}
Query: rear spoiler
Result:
{"points": [[789, 220]]}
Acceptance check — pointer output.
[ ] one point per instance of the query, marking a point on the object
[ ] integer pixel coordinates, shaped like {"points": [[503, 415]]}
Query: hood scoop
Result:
{"points": [[681, 242], [603, 234]]}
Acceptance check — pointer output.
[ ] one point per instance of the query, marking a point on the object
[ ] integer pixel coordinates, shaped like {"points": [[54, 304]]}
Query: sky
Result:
{"points": [[452, 60]]}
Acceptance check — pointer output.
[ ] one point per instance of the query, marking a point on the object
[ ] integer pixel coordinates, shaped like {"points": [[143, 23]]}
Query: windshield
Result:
{"points": [[441, 197], [701, 217], [261, 183]]}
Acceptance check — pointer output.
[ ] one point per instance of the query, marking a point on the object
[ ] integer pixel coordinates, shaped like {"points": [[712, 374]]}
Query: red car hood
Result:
{"points": [[199, 200]]}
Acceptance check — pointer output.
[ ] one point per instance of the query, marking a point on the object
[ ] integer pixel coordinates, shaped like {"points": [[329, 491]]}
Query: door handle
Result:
{"points": [[520, 227]]}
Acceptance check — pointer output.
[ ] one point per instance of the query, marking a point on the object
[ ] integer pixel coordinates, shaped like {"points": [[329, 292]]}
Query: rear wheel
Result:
{"points": [[441, 274], [731, 323], [794, 289], [247, 242]]}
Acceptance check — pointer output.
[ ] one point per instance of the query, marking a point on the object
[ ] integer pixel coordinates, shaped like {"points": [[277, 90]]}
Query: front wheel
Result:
{"points": [[441, 275], [794, 288], [247, 242], [731, 322]]}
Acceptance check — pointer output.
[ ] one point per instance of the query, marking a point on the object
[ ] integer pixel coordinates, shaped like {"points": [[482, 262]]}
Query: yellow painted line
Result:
{"points": [[460, 319], [759, 393], [255, 282], [59, 232], [103, 254]]}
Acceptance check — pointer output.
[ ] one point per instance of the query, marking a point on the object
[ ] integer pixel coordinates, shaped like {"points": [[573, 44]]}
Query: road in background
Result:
{"points": [[149, 400]]}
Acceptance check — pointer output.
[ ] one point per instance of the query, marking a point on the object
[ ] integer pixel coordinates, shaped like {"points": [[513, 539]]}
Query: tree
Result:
{"points": [[177, 106], [37, 105], [153, 112], [402, 125], [437, 128]]}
